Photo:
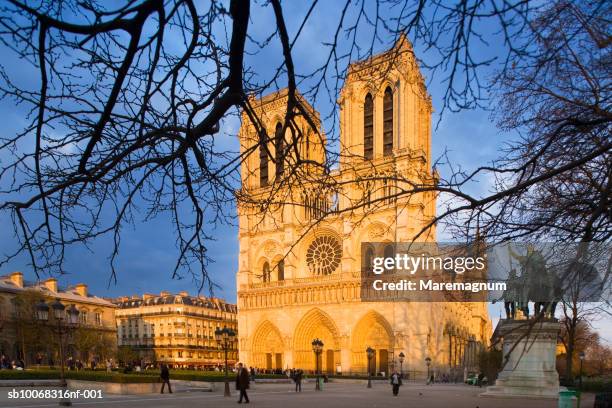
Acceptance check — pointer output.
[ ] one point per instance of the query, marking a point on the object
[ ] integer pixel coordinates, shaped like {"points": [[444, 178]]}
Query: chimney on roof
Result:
{"points": [[51, 284], [164, 293], [17, 279], [184, 293], [81, 289]]}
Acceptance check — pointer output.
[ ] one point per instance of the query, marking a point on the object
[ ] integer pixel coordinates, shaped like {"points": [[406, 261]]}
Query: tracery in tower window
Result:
{"points": [[279, 142], [388, 122], [368, 127]]}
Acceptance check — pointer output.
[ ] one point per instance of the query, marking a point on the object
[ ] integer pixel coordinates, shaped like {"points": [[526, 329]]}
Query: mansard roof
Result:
{"points": [[166, 298]]}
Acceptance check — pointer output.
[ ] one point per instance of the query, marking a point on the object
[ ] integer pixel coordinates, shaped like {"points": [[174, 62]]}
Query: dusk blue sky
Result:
{"points": [[148, 250]]}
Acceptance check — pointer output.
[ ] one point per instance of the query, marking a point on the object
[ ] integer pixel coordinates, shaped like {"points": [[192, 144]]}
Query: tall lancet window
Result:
{"points": [[279, 146], [281, 270], [388, 122], [263, 163], [368, 127], [265, 273]]}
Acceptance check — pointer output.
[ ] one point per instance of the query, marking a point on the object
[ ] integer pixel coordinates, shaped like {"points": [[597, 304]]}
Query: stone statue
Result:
{"points": [[510, 295], [533, 284]]}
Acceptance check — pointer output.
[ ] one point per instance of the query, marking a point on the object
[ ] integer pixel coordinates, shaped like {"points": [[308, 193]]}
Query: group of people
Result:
{"points": [[243, 379], [297, 375], [71, 363], [245, 375], [7, 364]]}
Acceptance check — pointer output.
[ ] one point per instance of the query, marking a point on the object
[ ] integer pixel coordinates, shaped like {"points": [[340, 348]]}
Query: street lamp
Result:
{"points": [[427, 363], [581, 356], [317, 347], [401, 360], [225, 338], [59, 314], [370, 353]]}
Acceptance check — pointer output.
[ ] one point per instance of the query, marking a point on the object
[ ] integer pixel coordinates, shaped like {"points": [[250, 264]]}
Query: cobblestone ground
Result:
{"points": [[334, 395]]}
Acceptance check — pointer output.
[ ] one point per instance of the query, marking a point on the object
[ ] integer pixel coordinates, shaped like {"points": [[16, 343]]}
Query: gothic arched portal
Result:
{"points": [[268, 347], [316, 324], [374, 331]]}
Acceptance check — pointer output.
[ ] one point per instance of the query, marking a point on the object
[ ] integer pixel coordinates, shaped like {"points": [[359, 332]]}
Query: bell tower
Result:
{"points": [[385, 140], [278, 162], [385, 109], [270, 155]]}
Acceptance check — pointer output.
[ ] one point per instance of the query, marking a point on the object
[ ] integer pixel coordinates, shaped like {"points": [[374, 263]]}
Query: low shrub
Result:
{"points": [[595, 385], [147, 376], [85, 375]]}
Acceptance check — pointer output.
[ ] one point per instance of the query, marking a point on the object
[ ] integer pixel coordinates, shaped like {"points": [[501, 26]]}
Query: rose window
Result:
{"points": [[323, 255]]}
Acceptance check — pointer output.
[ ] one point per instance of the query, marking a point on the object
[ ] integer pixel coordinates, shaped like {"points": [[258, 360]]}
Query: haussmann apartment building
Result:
{"points": [[176, 329]]}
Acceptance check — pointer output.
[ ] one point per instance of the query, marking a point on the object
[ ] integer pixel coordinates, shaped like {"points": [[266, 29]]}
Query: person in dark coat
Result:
{"points": [[165, 376], [298, 380], [396, 382], [242, 383]]}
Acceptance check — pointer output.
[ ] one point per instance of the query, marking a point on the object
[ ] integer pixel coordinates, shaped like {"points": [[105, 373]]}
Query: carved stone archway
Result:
{"points": [[267, 347], [374, 331], [316, 324]]}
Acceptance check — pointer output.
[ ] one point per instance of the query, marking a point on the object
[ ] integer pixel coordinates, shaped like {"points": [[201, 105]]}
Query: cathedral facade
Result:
{"points": [[298, 277]]}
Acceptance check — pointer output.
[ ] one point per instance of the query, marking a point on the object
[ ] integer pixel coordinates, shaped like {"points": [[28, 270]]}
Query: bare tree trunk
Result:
{"points": [[569, 356]]}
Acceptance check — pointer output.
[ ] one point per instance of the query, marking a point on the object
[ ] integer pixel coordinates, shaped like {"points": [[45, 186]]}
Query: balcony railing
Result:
{"points": [[273, 284], [313, 279]]}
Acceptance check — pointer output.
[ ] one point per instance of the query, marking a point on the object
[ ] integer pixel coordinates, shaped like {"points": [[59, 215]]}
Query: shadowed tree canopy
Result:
{"points": [[130, 98]]}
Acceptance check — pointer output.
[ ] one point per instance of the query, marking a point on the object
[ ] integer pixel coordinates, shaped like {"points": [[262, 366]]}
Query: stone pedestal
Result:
{"points": [[530, 350]]}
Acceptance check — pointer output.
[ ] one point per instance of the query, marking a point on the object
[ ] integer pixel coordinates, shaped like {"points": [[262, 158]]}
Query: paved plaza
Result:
{"points": [[334, 395]]}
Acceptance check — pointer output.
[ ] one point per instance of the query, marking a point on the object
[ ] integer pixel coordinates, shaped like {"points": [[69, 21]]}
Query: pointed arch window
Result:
{"points": [[368, 260], [263, 162], [265, 273], [388, 122], [389, 252], [281, 270], [279, 146], [368, 127]]}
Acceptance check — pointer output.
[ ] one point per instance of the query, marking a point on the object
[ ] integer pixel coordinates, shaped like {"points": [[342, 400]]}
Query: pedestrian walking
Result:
{"points": [[165, 376], [242, 383], [396, 382], [298, 380], [480, 378]]}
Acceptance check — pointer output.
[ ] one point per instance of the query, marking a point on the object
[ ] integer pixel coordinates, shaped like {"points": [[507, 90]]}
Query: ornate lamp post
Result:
{"points": [[317, 348], [427, 363], [66, 319], [225, 337], [581, 356], [370, 354], [401, 360]]}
